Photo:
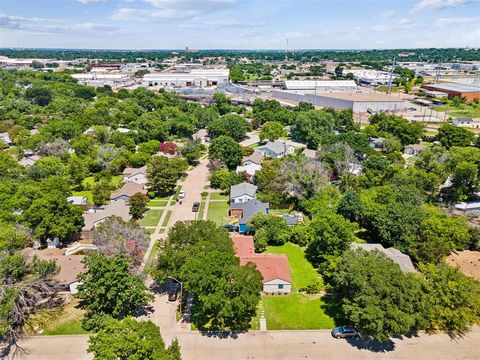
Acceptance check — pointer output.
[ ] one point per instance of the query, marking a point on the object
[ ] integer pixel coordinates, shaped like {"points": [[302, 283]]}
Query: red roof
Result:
{"points": [[271, 266]]}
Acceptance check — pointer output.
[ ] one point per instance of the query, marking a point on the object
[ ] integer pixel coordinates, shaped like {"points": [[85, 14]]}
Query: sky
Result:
{"points": [[239, 24]]}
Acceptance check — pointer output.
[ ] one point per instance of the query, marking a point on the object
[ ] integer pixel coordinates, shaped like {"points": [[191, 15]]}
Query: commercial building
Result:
{"points": [[101, 79], [370, 77], [469, 92], [189, 78], [321, 86], [358, 102]]}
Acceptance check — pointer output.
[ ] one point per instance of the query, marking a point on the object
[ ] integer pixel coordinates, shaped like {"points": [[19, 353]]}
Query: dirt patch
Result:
{"points": [[467, 261]]}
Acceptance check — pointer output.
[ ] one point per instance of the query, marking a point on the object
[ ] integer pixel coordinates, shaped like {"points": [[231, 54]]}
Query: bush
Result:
{"points": [[313, 288]]}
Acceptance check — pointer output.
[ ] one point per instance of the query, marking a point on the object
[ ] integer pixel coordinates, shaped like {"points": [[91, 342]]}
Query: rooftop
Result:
{"points": [[243, 189], [455, 87], [128, 189], [278, 147], [115, 208], [132, 171], [250, 208], [395, 255], [366, 97]]}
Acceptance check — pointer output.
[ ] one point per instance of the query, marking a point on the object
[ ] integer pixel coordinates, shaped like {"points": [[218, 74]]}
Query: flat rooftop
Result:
{"points": [[455, 87], [359, 97]]}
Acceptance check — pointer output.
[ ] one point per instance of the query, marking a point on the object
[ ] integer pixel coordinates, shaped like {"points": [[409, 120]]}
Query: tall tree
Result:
{"points": [[271, 131], [138, 205], [163, 173], [226, 150]]}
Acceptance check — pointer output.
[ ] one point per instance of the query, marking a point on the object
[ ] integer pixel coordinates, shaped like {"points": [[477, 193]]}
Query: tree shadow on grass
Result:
{"points": [[332, 306]]}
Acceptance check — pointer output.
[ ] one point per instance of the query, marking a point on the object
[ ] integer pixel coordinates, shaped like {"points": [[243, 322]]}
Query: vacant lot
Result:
{"points": [[218, 212], [295, 312], [302, 271], [151, 217]]}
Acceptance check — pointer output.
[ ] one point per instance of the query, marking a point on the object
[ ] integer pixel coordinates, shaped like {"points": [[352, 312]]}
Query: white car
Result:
{"points": [[181, 194]]}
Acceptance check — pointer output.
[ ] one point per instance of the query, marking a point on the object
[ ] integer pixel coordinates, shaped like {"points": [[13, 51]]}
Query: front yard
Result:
{"points": [[151, 217], [218, 212]]}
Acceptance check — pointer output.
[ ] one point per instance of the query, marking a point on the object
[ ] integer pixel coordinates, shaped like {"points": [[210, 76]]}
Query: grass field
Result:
{"points": [[302, 271], [218, 196], [218, 212], [296, 312], [463, 110], [157, 203], [151, 217], [167, 218]]}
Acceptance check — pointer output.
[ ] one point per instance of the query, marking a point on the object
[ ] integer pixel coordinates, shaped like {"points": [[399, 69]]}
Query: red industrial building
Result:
{"points": [[469, 92]]}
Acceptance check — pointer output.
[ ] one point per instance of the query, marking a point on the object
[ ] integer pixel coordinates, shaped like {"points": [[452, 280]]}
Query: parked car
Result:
{"points": [[181, 194], [345, 331], [231, 228], [173, 292], [196, 206]]}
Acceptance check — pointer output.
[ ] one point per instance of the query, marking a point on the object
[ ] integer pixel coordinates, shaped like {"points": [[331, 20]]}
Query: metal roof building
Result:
{"points": [[470, 92], [188, 78], [321, 86]]}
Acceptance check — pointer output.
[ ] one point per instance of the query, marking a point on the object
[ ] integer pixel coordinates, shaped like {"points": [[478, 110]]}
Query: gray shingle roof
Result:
{"points": [[250, 208], [277, 147], [243, 189], [395, 255]]}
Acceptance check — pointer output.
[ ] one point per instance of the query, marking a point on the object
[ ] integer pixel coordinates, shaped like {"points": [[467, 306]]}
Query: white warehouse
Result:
{"points": [[101, 79], [321, 86], [192, 78]]}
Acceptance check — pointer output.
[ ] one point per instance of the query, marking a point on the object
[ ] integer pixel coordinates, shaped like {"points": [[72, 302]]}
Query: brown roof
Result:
{"points": [[70, 266], [115, 208], [128, 189], [271, 266], [133, 171], [256, 157]]}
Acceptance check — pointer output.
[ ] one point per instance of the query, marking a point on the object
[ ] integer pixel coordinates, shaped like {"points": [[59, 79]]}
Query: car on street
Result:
{"points": [[181, 194], [173, 292], [196, 206], [345, 331]]}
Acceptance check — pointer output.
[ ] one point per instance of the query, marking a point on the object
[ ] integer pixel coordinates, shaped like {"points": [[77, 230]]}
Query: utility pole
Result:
{"points": [[389, 90]]}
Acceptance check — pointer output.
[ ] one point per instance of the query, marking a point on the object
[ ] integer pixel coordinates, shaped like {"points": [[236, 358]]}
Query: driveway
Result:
{"points": [[252, 138], [276, 345]]}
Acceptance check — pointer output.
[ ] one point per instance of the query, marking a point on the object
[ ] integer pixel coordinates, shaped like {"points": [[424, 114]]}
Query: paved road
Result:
{"points": [[252, 138]]}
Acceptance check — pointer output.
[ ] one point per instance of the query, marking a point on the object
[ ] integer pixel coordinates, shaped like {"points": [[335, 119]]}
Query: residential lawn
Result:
{"points": [[151, 217], [218, 196], [302, 271], [70, 327], [157, 203], [296, 312], [201, 210], [151, 258], [167, 218], [279, 212], [150, 231], [87, 194], [218, 212], [89, 181]]}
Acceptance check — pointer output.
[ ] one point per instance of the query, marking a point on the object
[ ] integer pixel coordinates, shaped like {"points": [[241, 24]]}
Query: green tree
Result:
{"points": [[271, 131], [192, 150], [452, 299], [46, 167], [163, 173], [377, 296], [231, 125], [108, 289], [101, 192], [138, 205], [273, 229], [314, 127], [464, 181], [451, 135], [226, 150], [130, 339], [224, 179]]}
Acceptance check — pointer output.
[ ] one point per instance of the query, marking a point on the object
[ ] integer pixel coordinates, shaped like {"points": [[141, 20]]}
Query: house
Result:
{"points": [[255, 158], [135, 175], [250, 169], [310, 154], [466, 122], [244, 211], [469, 208], [242, 193], [69, 266], [273, 267], [77, 200], [395, 255], [95, 216], [276, 149], [413, 150], [128, 189], [201, 135]]}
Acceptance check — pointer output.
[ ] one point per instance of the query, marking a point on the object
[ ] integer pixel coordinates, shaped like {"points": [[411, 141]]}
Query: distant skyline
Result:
{"points": [[239, 24]]}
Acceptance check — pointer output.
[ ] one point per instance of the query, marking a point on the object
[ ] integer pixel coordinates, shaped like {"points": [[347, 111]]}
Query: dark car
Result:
{"points": [[196, 206], [231, 228], [173, 292], [345, 331]]}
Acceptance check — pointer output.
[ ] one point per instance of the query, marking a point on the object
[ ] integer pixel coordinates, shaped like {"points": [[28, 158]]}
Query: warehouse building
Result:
{"points": [[101, 79], [470, 92], [321, 86], [358, 102], [191, 78]]}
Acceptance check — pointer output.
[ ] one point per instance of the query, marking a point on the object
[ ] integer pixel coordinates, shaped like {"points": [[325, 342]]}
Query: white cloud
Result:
{"points": [[444, 22], [129, 14], [387, 14], [404, 22], [197, 23], [424, 5], [90, 1]]}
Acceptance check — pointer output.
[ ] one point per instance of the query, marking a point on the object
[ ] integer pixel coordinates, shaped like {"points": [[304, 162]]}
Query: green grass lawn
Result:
{"points": [[151, 258], [201, 210], [463, 110], [177, 192], [89, 181], [302, 271], [167, 218], [151, 217], [157, 203], [70, 327], [150, 231], [218, 212], [279, 212], [218, 196], [87, 194], [296, 312]]}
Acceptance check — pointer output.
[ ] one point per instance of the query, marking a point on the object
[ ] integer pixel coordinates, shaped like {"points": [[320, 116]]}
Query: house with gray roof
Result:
{"points": [[136, 175], [395, 255], [128, 189], [94, 217], [242, 193], [276, 149], [244, 211], [255, 158]]}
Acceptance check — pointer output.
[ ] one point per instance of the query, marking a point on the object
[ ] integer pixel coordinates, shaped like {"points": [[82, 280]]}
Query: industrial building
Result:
{"points": [[358, 102], [370, 77], [321, 86], [101, 79], [469, 92], [191, 78]]}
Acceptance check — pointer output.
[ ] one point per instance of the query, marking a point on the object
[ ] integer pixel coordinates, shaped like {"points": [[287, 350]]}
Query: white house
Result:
{"points": [[469, 208], [242, 193], [135, 175], [276, 149], [250, 169]]}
